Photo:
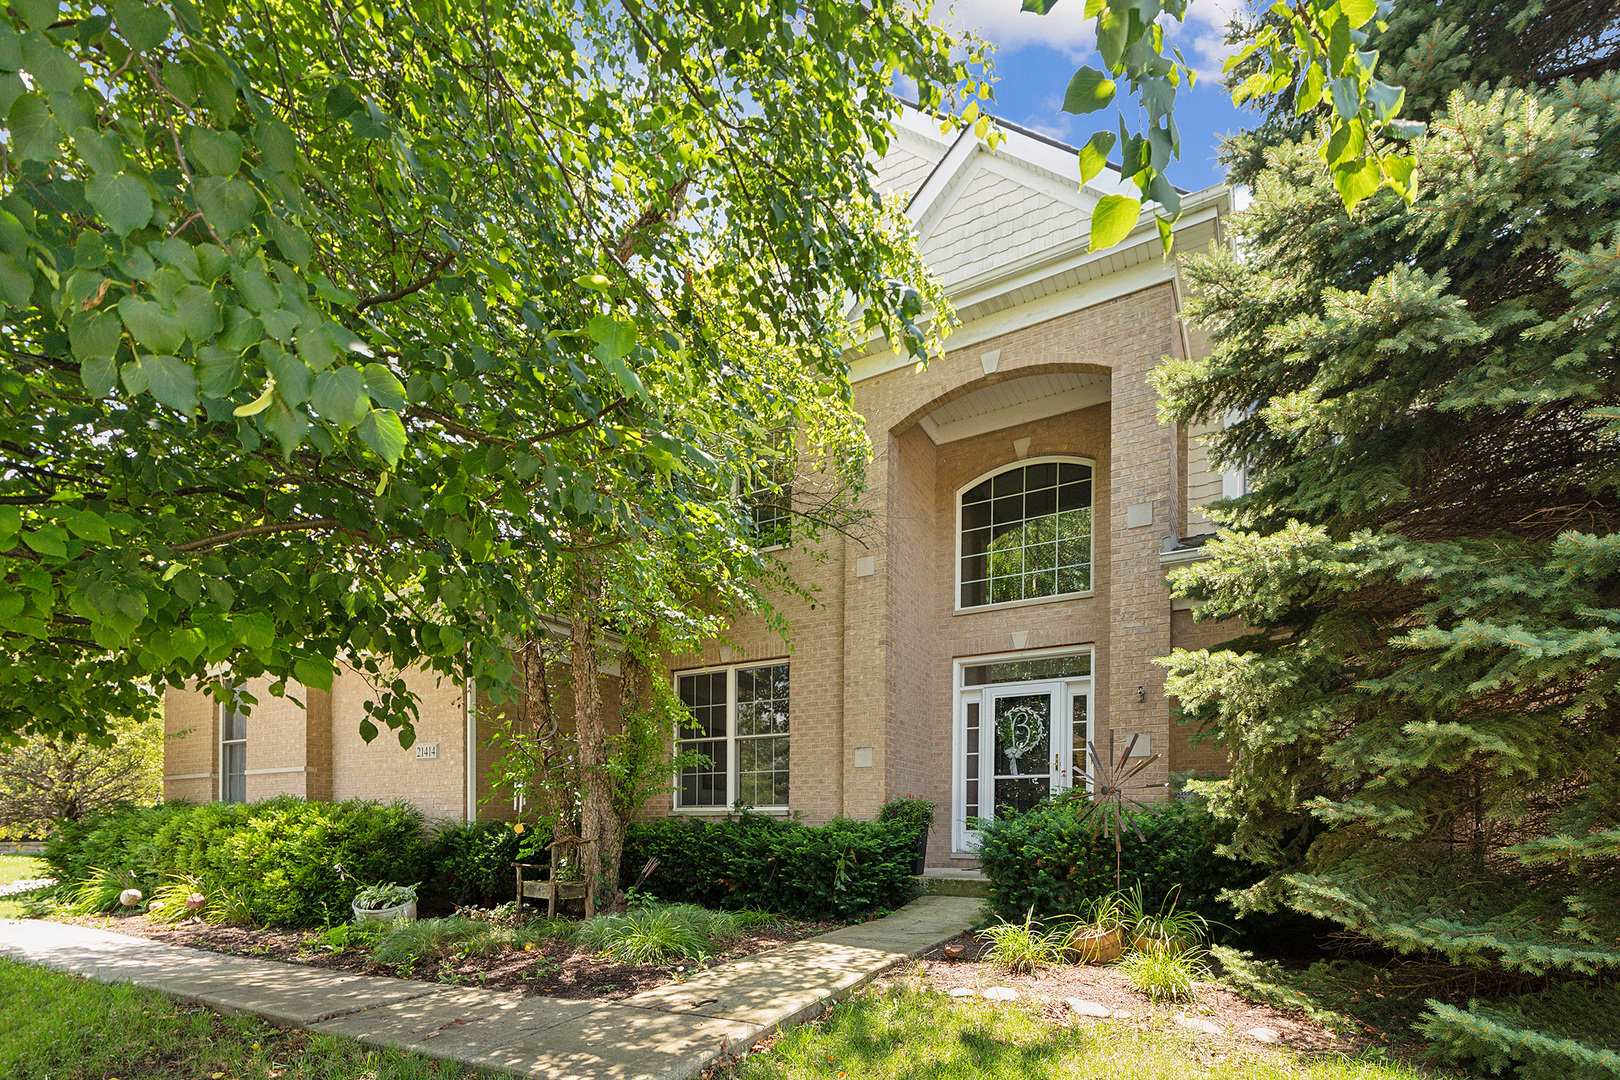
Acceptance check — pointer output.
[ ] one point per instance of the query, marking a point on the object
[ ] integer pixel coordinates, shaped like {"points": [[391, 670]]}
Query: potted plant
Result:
{"points": [[917, 814], [1098, 933], [384, 903]]}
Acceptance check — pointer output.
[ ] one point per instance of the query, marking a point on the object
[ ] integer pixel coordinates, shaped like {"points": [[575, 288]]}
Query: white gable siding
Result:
{"points": [[901, 170], [996, 221]]}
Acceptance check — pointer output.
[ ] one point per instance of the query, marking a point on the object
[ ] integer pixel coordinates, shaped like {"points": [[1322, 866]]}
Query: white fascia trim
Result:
{"points": [[189, 776], [1024, 412], [1082, 296], [1182, 555]]}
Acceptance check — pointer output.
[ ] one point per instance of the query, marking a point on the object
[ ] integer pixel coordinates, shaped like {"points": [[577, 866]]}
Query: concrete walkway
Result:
{"points": [[669, 1033]]}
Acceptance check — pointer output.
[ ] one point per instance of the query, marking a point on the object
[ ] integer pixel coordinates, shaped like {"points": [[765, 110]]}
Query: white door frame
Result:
{"points": [[1064, 690]]}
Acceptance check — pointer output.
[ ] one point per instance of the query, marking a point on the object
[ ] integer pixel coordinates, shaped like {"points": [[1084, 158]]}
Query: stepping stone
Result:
{"points": [[1001, 993], [962, 991], [1198, 1023], [1263, 1034], [1082, 1007]]}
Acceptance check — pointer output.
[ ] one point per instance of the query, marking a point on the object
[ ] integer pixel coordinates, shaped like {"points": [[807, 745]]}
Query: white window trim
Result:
{"points": [[732, 738], [224, 765], [963, 840], [957, 607]]}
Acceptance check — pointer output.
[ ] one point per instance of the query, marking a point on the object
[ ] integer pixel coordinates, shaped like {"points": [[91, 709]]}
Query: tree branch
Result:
{"points": [[406, 290], [256, 530]]}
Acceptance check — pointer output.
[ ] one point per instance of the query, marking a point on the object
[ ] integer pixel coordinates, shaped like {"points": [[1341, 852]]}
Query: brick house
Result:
{"points": [[1005, 603]]}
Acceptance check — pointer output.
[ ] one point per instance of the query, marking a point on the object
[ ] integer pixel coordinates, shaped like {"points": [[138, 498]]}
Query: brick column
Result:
{"points": [[1141, 513]]}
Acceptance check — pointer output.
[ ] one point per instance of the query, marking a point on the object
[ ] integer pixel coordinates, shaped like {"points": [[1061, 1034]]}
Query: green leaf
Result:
{"points": [[613, 337], [219, 371], [626, 378], [255, 289], [277, 146], [384, 433], [142, 25], [35, 134], [292, 240], [99, 375], [219, 153], [122, 201], [287, 424], [101, 150], [1338, 46], [384, 388], [199, 312], [47, 540], [1163, 192], [1039, 7], [94, 335], [16, 283], [1111, 29], [227, 203], [1398, 170], [172, 381], [88, 525], [52, 70], [218, 93], [292, 375], [340, 396], [1385, 100], [152, 327], [1094, 155], [39, 13], [314, 672], [1358, 11], [1113, 220], [1089, 90], [1310, 93], [314, 341], [1356, 180], [594, 282]]}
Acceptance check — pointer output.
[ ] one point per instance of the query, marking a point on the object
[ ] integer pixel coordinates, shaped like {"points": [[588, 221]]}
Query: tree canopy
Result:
{"points": [[320, 326], [1423, 712]]}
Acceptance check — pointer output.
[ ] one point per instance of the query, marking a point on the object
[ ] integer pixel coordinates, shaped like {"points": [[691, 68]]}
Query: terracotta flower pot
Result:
{"points": [[1094, 945]]}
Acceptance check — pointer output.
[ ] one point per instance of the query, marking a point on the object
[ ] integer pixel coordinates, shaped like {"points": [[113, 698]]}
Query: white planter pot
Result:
{"points": [[385, 915]]}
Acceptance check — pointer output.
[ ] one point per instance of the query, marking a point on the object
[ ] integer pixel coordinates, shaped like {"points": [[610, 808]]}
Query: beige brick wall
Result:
{"points": [[382, 769], [281, 758], [1188, 754]]}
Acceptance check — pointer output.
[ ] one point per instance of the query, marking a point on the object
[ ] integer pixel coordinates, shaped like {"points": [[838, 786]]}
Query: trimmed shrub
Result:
{"points": [[473, 862], [1048, 860], [839, 870], [281, 858]]}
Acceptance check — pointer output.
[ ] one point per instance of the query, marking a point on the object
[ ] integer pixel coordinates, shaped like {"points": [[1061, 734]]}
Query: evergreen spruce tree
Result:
{"points": [[1424, 714]]}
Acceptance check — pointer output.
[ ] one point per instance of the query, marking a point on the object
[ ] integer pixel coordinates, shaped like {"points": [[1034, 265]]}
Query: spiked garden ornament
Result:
{"points": [[1106, 794]]}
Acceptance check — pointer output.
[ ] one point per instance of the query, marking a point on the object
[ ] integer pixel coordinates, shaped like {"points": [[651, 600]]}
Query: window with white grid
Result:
{"points": [[736, 743], [1026, 534]]}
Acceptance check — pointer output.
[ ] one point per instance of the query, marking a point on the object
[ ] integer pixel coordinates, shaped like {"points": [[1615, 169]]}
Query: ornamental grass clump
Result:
{"points": [[658, 934], [1022, 948], [1164, 975]]}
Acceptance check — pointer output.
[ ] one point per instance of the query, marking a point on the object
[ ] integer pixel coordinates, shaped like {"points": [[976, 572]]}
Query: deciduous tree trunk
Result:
{"points": [[597, 819]]}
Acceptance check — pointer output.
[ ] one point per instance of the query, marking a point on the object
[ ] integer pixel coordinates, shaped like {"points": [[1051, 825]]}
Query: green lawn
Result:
{"points": [[901, 1033], [19, 867], [61, 1027]]}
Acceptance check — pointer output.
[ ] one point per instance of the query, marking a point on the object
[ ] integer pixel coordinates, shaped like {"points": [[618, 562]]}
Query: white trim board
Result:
{"points": [[1081, 397]]}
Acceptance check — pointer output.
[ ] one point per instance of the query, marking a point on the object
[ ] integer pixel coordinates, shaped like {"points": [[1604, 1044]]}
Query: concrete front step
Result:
{"points": [[947, 882]]}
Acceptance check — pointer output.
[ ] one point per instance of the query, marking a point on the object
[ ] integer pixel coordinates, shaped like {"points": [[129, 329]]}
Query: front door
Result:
{"points": [[1029, 745]]}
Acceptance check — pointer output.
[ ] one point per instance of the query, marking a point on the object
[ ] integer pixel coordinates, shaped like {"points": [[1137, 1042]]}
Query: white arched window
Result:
{"points": [[1025, 533]]}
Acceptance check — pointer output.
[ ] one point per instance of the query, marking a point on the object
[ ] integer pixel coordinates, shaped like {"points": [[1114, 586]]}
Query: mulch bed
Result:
{"points": [[1050, 988], [554, 968]]}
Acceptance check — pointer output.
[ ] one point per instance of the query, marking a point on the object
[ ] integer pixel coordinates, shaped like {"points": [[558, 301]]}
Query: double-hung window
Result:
{"points": [[735, 739], [233, 752]]}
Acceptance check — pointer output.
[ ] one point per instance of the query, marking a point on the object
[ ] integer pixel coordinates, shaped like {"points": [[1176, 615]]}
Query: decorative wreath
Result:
{"points": [[1018, 731]]}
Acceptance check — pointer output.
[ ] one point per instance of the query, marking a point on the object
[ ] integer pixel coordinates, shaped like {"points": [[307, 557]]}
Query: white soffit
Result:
{"points": [[1014, 401]]}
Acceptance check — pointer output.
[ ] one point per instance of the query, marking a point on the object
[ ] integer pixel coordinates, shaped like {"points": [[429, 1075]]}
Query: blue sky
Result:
{"points": [[1037, 54]]}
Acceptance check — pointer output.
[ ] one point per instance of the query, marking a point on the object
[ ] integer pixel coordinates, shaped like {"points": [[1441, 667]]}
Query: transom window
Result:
{"points": [[1026, 534], [736, 742]]}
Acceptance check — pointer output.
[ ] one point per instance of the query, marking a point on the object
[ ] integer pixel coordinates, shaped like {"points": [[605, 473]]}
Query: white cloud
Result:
{"points": [[1002, 22], [1066, 29]]}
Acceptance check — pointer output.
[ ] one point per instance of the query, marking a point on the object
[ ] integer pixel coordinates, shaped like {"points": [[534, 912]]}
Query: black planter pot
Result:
{"points": [[922, 853]]}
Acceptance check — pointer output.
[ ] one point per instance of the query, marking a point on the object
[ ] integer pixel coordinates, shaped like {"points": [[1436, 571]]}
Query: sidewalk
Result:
{"points": [[668, 1033]]}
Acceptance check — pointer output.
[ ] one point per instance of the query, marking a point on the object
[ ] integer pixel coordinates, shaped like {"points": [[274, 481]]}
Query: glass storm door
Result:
{"points": [[1029, 745]]}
